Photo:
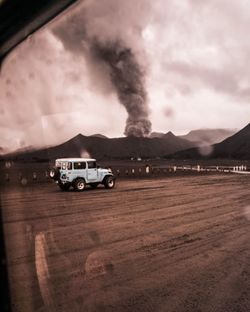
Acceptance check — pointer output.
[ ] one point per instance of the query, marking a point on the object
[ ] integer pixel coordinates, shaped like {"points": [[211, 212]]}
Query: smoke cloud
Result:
{"points": [[128, 81], [90, 33]]}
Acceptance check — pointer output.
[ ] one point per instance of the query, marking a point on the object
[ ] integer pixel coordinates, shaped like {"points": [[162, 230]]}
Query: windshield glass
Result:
{"points": [[159, 92]]}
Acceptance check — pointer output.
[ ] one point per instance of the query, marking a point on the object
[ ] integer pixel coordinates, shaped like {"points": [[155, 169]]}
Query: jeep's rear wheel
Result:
{"points": [[79, 184], [109, 182], [64, 186]]}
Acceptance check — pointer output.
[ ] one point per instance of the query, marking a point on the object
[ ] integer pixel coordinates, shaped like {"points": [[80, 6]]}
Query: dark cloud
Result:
{"points": [[128, 80]]}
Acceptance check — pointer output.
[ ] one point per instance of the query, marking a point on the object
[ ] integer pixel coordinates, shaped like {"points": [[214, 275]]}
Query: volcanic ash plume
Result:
{"points": [[128, 81], [90, 33]]}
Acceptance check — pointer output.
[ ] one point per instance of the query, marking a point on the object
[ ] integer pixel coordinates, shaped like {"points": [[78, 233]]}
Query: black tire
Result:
{"points": [[94, 185], [79, 185], [54, 173], [64, 186], [109, 182]]}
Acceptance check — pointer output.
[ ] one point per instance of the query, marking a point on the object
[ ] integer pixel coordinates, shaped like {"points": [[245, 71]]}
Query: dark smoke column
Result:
{"points": [[128, 81]]}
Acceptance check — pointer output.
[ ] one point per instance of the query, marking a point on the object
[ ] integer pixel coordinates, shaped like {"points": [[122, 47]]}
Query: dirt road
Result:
{"points": [[175, 244]]}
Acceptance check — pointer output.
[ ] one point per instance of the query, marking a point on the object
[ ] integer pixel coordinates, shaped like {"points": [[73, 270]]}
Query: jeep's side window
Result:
{"points": [[91, 164], [79, 165], [69, 165], [58, 165]]}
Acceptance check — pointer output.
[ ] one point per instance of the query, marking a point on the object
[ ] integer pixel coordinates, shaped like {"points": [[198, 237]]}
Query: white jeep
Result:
{"points": [[79, 172]]}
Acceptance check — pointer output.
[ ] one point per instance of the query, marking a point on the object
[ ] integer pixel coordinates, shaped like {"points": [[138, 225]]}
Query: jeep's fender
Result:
{"points": [[79, 177], [107, 175]]}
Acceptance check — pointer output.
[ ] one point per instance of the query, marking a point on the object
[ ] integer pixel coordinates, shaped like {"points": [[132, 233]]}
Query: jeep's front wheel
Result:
{"points": [[79, 184], [109, 182]]}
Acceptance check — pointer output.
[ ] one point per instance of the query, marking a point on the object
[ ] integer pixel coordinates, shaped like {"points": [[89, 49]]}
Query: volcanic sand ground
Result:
{"points": [[166, 244]]}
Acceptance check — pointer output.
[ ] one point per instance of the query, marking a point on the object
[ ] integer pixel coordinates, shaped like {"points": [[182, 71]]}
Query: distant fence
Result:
{"points": [[25, 177]]}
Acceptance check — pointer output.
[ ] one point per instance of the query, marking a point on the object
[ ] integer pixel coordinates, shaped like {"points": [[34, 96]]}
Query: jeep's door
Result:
{"points": [[92, 171]]}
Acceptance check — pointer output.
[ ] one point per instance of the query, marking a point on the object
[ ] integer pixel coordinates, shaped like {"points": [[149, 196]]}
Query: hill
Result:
{"points": [[105, 148], [201, 136], [236, 146], [208, 136], [98, 135]]}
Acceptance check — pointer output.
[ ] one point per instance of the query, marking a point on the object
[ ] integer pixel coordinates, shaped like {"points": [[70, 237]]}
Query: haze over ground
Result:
{"points": [[192, 57]]}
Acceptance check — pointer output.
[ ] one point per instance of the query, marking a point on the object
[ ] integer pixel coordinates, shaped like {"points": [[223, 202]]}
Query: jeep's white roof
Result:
{"points": [[75, 159]]}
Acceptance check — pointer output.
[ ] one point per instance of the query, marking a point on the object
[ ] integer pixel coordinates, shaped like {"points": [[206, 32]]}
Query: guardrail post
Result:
{"points": [[7, 177], [34, 176], [24, 181]]}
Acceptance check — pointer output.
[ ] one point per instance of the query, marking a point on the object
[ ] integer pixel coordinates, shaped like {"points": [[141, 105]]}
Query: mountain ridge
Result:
{"points": [[165, 146], [110, 148], [236, 146]]}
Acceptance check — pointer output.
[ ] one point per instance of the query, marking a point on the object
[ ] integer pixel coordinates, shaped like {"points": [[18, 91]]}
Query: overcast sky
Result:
{"points": [[193, 54]]}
